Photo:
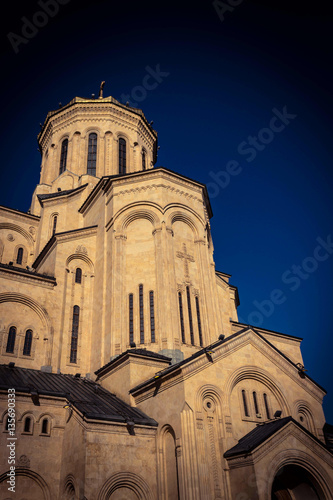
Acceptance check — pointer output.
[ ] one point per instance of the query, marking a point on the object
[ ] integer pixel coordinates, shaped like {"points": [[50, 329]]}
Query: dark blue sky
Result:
{"points": [[221, 83]]}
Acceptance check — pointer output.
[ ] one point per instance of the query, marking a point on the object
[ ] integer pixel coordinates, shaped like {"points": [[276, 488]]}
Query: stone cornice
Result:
{"points": [[225, 349], [264, 331], [113, 182], [19, 216], [89, 109], [16, 275]]}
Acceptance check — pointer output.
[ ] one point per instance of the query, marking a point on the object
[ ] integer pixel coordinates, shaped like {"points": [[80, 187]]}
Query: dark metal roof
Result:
{"points": [[259, 434], [60, 193], [90, 399], [33, 274], [137, 352]]}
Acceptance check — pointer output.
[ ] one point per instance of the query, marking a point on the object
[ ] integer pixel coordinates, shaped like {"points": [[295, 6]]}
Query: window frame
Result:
{"points": [[92, 154], [122, 156], [141, 315], [78, 275], [19, 256], [75, 335], [27, 346], [12, 332], [63, 156]]}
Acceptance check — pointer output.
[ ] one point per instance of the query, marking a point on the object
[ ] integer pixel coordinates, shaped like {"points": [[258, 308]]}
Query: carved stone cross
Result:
{"points": [[187, 258]]}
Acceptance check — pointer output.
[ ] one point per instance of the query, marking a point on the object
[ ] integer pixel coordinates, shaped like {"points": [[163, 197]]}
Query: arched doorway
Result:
{"points": [[295, 483]]}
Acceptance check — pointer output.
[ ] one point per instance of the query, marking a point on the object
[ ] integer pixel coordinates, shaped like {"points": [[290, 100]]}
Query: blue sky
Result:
{"points": [[221, 80]]}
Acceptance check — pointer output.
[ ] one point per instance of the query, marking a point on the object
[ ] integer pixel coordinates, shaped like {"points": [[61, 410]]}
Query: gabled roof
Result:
{"points": [[257, 436], [205, 350], [89, 398], [260, 433], [54, 238], [134, 352]]}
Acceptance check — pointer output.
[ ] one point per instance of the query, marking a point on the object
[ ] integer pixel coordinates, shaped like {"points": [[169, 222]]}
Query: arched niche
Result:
{"points": [[29, 485]]}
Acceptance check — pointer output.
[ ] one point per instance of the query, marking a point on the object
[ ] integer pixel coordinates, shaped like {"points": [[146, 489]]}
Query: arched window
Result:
{"points": [[122, 156], [131, 334], [92, 154], [11, 339], [143, 160], [54, 225], [152, 316], [45, 426], [75, 334], [255, 401], [181, 315], [190, 313], [266, 406], [27, 424], [63, 156], [246, 411], [19, 256], [27, 343], [199, 320], [78, 275], [142, 329]]}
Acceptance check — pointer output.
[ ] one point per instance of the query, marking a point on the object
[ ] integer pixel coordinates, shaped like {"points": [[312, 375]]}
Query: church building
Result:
{"points": [[125, 373]]}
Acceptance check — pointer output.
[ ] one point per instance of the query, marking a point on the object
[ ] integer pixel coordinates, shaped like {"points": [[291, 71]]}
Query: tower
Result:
{"points": [[121, 340]]}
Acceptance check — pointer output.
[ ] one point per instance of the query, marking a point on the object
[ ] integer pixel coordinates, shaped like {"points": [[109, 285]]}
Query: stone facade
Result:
{"points": [[113, 263]]}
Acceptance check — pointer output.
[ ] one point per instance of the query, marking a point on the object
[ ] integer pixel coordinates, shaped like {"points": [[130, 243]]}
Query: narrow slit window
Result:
{"points": [[255, 401], [266, 406], [199, 320], [246, 410], [190, 313], [75, 334], [63, 156], [45, 426], [54, 225], [181, 315], [142, 330], [11, 340], [27, 424], [152, 316], [122, 156], [143, 160], [92, 154], [131, 333], [19, 256], [27, 343], [78, 275]]}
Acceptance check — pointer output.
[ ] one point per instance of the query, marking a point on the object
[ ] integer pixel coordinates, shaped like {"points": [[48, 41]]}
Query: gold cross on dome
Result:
{"points": [[187, 258]]}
